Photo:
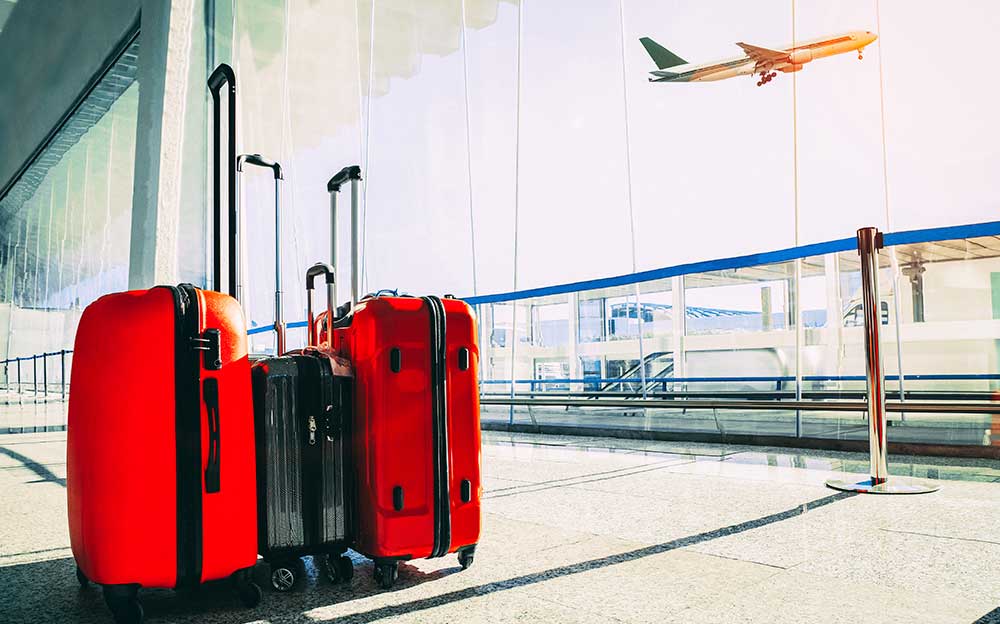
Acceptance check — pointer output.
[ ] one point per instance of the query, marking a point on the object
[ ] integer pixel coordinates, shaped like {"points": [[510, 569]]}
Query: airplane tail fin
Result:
{"points": [[663, 57]]}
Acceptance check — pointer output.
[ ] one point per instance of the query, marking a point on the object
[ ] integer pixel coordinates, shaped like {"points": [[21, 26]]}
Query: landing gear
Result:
{"points": [[860, 56], [766, 77], [386, 573]]}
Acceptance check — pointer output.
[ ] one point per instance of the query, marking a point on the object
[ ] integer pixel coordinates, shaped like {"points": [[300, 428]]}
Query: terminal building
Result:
{"points": [[660, 249]]}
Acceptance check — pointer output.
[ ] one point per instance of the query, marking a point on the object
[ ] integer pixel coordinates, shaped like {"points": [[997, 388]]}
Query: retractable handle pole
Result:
{"points": [[256, 159], [320, 268], [352, 174], [869, 242], [223, 75]]}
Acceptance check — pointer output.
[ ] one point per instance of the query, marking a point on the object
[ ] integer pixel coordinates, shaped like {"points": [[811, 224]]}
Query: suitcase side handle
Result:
{"points": [[213, 468], [260, 161], [351, 173], [223, 75], [320, 268]]}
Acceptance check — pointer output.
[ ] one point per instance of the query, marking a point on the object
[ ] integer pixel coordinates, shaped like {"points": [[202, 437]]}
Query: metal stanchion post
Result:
{"points": [[62, 373], [45, 375], [18, 380], [869, 242], [34, 375]]}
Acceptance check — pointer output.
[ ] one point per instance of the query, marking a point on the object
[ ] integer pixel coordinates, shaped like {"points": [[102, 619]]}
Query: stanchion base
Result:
{"points": [[894, 485]]}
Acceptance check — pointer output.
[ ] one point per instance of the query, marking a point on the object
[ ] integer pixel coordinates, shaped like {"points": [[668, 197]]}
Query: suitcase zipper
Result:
{"points": [[187, 432], [312, 430], [439, 408]]}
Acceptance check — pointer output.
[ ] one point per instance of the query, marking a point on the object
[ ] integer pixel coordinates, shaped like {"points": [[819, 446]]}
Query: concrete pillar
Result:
{"points": [[165, 43], [679, 316], [765, 308], [573, 344]]}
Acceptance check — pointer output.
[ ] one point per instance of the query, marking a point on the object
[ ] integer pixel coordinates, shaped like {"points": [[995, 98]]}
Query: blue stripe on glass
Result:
{"points": [[908, 237], [991, 228]]}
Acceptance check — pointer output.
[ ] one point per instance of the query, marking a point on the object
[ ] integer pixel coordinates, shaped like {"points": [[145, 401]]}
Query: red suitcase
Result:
{"points": [[416, 425], [161, 481]]}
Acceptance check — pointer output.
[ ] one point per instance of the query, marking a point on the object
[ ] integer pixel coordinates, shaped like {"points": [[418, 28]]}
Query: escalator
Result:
{"points": [[658, 366]]}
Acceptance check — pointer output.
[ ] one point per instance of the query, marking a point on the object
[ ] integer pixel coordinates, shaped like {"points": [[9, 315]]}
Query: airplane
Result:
{"points": [[763, 62]]}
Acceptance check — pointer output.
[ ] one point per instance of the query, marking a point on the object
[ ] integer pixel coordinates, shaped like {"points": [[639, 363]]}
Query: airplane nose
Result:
{"points": [[870, 36]]}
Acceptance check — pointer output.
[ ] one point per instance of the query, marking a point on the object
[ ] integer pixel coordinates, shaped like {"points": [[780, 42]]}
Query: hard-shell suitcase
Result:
{"points": [[302, 406], [416, 422], [160, 450]]}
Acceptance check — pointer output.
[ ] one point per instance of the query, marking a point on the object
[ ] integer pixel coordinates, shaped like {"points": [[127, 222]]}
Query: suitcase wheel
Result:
{"points": [[250, 594], [82, 578], [466, 557], [124, 604], [338, 568], [386, 573], [287, 575]]}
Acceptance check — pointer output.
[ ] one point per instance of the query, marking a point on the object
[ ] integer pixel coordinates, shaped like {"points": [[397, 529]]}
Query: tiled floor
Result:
{"points": [[593, 530]]}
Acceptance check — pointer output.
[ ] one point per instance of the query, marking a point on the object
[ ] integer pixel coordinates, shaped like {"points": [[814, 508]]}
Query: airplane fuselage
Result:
{"points": [[797, 55]]}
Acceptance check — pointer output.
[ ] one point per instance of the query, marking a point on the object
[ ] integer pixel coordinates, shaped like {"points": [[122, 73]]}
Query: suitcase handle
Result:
{"points": [[223, 75], [260, 161], [210, 393], [352, 174], [320, 268]]}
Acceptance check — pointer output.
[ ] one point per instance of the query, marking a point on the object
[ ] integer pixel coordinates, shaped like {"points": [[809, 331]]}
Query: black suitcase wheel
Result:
{"points": [[338, 568], [386, 574], [466, 557], [82, 578], [250, 594], [123, 602], [286, 576]]}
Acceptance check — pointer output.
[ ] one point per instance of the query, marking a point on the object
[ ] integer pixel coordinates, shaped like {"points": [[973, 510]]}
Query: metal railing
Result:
{"points": [[925, 407], [43, 376]]}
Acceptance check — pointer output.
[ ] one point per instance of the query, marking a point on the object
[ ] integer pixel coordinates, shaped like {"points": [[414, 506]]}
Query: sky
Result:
{"points": [[709, 170]]}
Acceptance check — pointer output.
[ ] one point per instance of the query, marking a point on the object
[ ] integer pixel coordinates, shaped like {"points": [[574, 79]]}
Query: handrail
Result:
{"points": [[32, 385], [773, 395], [909, 377], [35, 356], [815, 406]]}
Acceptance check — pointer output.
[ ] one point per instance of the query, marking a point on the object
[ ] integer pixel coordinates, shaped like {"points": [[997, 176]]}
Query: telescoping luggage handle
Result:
{"points": [[258, 160], [320, 268], [223, 75], [352, 174]]}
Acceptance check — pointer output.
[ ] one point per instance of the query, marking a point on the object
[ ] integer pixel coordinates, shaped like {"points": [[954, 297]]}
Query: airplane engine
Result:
{"points": [[799, 57], [791, 68]]}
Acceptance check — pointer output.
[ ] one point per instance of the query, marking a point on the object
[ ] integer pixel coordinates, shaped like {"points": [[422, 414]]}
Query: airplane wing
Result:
{"points": [[764, 57]]}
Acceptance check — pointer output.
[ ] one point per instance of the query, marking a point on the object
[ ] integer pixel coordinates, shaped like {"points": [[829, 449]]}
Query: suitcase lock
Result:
{"points": [[312, 430], [210, 343]]}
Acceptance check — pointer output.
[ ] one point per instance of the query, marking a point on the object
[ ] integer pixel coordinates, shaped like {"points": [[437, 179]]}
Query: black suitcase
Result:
{"points": [[302, 411]]}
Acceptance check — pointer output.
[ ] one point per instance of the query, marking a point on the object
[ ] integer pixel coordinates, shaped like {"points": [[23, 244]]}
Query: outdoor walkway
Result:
{"points": [[595, 530]]}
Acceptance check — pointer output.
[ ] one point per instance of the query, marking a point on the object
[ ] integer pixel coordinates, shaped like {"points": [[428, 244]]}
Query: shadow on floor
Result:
{"points": [[43, 473], [48, 592]]}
